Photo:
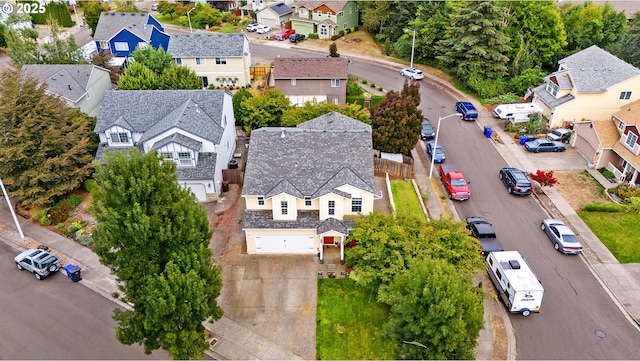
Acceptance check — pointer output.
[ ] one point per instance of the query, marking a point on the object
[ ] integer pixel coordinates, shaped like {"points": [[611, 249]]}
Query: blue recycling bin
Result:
{"points": [[73, 272], [488, 131], [523, 139]]}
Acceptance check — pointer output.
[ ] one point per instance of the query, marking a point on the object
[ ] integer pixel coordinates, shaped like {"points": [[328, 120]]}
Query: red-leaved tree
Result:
{"points": [[546, 179]]}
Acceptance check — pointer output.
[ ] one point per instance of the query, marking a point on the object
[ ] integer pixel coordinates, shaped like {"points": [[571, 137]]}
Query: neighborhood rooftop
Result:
{"points": [[110, 23], [595, 70], [312, 159], [310, 68], [70, 81], [204, 44], [333, 5]]}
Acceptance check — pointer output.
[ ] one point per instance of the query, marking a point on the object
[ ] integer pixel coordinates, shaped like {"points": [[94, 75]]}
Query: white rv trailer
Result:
{"points": [[516, 113], [517, 285]]}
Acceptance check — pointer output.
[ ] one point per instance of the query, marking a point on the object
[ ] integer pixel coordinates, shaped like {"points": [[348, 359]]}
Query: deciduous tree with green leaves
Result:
{"points": [[589, 24], [396, 121], [296, 115], [91, 11], [47, 149], [167, 8], [237, 100], [24, 49], [433, 305], [155, 59], [263, 110], [138, 77], [629, 49], [154, 237], [179, 77]]}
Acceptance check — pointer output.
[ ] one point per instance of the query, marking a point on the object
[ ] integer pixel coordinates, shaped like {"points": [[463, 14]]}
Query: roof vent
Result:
{"points": [[69, 85], [122, 14], [514, 264], [282, 135]]}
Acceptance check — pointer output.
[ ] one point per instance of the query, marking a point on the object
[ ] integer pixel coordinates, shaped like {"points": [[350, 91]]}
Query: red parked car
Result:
{"points": [[285, 34]]}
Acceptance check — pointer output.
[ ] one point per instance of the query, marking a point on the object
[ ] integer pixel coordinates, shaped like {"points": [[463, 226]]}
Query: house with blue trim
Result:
{"points": [[121, 33]]}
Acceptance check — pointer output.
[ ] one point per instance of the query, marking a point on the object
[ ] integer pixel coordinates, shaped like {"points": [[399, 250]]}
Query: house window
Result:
{"points": [[319, 13], [345, 25], [120, 46], [620, 125], [329, 15], [184, 158], [625, 95], [335, 101], [261, 201], [119, 137], [307, 201], [142, 45], [340, 14], [284, 208], [332, 208], [166, 156], [178, 61], [303, 12], [293, 82], [221, 61], [323, 30], [631, 140], [104, 45], [356, 205], [200, 61], [335, 83], [553, 88]]}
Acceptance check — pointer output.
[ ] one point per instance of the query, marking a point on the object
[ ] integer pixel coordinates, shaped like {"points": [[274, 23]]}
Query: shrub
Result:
{"points": [[510, 127], [606, 173], [604, 207], [625, 191], [85, 239], [43, 217], [364, 81], [380, 88], [546, 179], [313, 36], [341, 33], [90, 185], [508, 98], [60, 212], [62, 228], [373, 85], [352, 86], [335, 37], [75, 227], [75, 200]]}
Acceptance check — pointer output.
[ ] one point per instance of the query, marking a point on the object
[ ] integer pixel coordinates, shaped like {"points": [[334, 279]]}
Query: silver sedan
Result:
{"points": [[562, 237]]}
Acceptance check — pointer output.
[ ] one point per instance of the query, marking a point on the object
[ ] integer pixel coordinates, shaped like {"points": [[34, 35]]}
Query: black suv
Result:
{"points": [[516, 181], [427, 130]]}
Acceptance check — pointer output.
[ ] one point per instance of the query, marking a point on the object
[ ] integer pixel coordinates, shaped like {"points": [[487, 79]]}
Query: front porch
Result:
{"points": [[331, 266]]}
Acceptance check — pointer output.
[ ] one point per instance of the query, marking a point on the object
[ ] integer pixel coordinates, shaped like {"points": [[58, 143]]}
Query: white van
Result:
{"points": [[516, 113], [517, 285]]}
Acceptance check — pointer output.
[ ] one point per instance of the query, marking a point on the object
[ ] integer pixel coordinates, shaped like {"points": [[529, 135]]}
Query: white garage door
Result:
{"points": [[199, 190], [285, 244]]}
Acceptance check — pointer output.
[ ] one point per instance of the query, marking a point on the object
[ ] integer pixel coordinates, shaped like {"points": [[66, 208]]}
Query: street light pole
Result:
{"points": [[189, 18], [413, 47], [13, 213], [433, 159]]}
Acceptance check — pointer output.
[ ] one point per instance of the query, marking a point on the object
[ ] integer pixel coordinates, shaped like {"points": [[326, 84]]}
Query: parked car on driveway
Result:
{"points": [[252, 27], [435, 152], [427, 130], [38, 261], [516, 181], [294, 38], [263, 29], [560, 135], [412, 73], [562, 237], [284, 34], [544, 145]]}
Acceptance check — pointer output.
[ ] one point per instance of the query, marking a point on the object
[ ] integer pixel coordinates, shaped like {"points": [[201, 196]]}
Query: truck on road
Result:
{"points": [[518, 287], [454, 183], [483, 230]]}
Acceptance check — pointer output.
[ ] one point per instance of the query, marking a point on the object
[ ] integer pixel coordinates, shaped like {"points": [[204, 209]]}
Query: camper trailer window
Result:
{"points": [[499, 274]]}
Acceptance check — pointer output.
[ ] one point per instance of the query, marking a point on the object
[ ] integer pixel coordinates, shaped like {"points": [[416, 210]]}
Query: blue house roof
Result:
{"points": [[112, 23]]}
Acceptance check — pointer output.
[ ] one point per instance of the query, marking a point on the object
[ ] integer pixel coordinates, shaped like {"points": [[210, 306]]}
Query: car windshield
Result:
{"points": [[439, 151], [569, 238], [458, 182], [426, 126]]}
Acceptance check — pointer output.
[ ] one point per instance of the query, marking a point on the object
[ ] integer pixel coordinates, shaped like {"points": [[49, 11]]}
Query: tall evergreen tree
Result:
{"points": [[46, 150], [396, 121], [475, 46], [138, 77], [179, 77], [154, 237], [155, 59], [629, 50]]}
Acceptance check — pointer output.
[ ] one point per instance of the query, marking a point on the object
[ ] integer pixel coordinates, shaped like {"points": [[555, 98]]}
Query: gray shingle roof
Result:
{"points": [[335, 121], [281, 9], [179, 139], [595, 70], [205, 168], [264, 220], [111, 23], [332, 224], [551, 101], [310, 68], [152, 112], [204, 44], [69, 81], [313, 160]]}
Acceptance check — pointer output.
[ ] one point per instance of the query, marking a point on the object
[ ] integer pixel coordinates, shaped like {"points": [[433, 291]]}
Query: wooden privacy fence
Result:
{"points": [[233, 176], [395, 170], [259, 71]]}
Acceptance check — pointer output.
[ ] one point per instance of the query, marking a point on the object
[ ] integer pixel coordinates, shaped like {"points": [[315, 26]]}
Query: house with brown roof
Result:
{"points": [[305, 80], [325, 18], [613, 144]]}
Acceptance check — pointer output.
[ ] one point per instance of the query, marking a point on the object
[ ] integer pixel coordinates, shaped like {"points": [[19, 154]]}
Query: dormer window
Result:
{"points": [[632, 139], [184, 159], [553, 88], [119, 138], [307, 201]]}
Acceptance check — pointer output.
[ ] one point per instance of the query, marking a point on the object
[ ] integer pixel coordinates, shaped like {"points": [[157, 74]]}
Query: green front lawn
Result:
{"points": [[166, 19], [348, 323], [406, 200], [618, 231]]}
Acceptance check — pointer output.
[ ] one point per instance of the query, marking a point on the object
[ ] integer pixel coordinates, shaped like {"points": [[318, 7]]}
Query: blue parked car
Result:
{"points": [[468, 111], [544, 145], [435, 152]]}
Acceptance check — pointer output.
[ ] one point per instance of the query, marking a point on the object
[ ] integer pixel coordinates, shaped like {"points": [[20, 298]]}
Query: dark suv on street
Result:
{"points": [[516, 181]]}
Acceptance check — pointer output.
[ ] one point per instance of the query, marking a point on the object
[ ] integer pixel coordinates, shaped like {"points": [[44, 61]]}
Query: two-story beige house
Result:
{"points": [[305, 80], [221, 60], [589, 85], [82, 86], [302, 182], [613, 143]]}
